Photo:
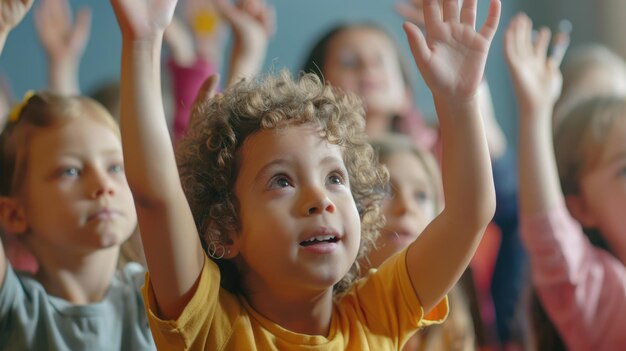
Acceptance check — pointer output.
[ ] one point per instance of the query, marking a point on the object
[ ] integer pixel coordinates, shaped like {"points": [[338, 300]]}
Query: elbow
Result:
{"points": [[477, 212]]}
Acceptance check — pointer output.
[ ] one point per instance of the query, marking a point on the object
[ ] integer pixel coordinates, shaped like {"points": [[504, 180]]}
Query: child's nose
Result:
{"points": [[401, 204], [318, 202], [102, 186]]}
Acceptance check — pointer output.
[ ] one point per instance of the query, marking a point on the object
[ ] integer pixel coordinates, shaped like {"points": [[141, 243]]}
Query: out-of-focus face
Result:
{"points": [[365, 61], [75, 195], [603, 190], [412, 205]]}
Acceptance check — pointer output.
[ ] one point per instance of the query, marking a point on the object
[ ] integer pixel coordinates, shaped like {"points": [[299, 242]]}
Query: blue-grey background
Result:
{"points": [[299, 23]]}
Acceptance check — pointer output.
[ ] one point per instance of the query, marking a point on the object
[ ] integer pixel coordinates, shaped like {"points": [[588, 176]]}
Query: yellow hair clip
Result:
{"points": [[16, 111]]}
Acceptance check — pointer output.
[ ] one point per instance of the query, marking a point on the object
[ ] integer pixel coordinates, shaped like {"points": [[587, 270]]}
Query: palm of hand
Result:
{"points": [[457, 60], [12, 12], [59, 38], [537, 81], [144, 19]]}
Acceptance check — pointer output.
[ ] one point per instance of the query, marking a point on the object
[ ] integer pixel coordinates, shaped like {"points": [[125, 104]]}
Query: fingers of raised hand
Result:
{"points": [[488, 30]]}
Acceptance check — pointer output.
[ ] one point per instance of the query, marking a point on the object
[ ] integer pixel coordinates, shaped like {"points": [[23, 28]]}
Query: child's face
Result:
{"points": [[603, 190], [292, 190], [409, 210], [75, 195], [364, 61]]}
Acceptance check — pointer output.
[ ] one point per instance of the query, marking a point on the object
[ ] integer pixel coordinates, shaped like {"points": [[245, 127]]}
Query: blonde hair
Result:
{"points": [[581, 138], [40, 111], [393, 143], [578, 63], [209, 155]]}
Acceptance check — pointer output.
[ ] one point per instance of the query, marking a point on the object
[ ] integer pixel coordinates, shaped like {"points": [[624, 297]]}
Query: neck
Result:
{"points": [[79, 279], [305, 314]]}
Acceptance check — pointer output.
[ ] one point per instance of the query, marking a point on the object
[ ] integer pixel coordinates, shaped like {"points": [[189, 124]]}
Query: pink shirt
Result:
{"points": [[186, 81], [582, 288]]}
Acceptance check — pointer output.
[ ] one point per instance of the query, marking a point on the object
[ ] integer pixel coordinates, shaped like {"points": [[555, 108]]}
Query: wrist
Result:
{"points": [[453, 106], [149, 43]]}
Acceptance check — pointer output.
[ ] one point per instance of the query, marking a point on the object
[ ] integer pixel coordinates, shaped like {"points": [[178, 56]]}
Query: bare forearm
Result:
{"points": [[63, 77], [470, 204], [467, 178], [538, 175], [173, 251], [148, 152], [245, 65]]}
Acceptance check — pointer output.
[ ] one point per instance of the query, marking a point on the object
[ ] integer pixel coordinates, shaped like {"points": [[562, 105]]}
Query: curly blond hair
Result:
{"points": [[209, 155]]}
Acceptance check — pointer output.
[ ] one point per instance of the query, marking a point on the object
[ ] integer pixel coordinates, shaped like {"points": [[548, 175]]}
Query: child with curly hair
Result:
{"points": [[278, 182]]}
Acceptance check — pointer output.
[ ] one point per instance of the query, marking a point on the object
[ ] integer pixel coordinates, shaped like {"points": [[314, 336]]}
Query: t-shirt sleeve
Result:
{"points": [[205, 323], [582, 288], [11, 295], [387, 303]]}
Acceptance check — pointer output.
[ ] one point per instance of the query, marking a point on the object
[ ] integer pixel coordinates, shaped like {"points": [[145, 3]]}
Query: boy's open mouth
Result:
{"points": [[319, 239]]}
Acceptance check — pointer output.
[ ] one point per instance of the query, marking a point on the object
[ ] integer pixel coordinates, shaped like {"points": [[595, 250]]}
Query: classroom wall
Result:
{"points": [[299, 24]]}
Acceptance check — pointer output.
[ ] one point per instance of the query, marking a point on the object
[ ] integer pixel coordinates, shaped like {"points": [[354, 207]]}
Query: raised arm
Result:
{"points": [[252, 23], [451, 58], [11, 218], [171, 244], [63, 41], [192, 61], [11, 14], [537, 82], [413, 11]]}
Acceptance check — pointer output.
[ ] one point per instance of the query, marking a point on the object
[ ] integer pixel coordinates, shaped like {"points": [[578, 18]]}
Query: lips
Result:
{"points": [[321, 236], [103, 214]]}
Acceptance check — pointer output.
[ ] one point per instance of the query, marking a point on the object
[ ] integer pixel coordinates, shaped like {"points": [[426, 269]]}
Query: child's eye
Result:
{"points": [[348, 60], [280, 181], [420, 196], [70, 172], [335, 179], [117, 168]]}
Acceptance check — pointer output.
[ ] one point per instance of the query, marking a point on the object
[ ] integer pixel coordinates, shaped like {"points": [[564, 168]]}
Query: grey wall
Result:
{"points": [[299, 23]]}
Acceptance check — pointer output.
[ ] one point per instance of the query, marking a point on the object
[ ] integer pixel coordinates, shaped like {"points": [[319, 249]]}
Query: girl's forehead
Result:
{"points": [[362, 35], [607, 145]]}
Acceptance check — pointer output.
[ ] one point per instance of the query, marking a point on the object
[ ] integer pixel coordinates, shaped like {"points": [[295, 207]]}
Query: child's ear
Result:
{"points": [[578, 208], [12, 216], [232, 246]]}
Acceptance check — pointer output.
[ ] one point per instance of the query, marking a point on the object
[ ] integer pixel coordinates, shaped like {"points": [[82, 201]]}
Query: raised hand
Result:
{"points": [[452, 55], [536, 76], [12, 12], [208, 28], [253, 24], [412, 11], [62, 39], [143, 19], [180, 42]]}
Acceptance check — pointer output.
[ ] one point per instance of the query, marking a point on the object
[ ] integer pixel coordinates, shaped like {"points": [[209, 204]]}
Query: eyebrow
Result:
{"points": [[106, 152]]}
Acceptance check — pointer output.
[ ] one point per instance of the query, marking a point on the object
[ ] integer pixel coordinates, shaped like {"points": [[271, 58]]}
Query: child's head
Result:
{"points": [[108, 94], [272, 163], [63, 184], [415, 195], [590, 150], [362, 58], [588, 71]]}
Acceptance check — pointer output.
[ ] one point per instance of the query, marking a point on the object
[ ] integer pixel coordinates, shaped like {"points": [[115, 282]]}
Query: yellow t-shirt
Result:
{"points": [[380, 312]]}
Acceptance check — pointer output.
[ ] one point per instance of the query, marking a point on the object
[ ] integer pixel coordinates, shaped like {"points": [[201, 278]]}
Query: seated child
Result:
{"points": [[278, 183], [415, 199]]}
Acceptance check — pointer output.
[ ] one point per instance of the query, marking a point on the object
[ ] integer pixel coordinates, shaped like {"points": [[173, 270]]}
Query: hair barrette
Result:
{"points": [[16, 111]]}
